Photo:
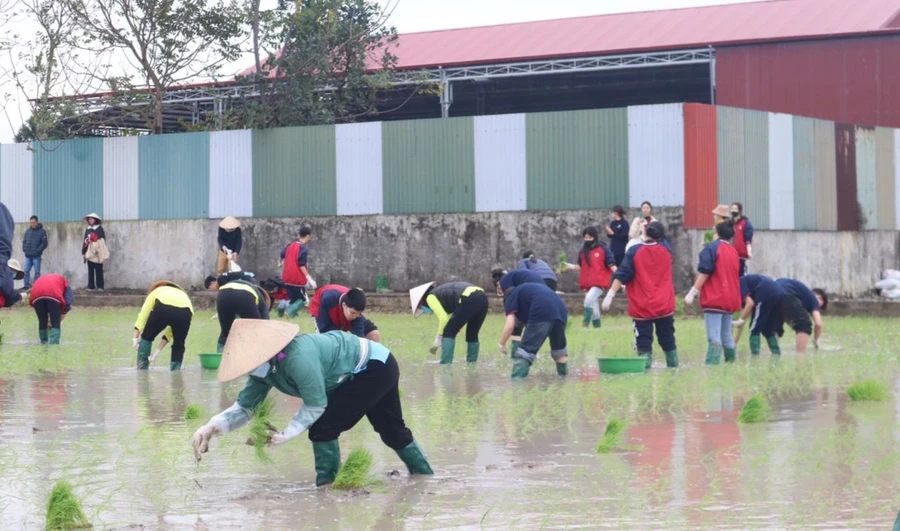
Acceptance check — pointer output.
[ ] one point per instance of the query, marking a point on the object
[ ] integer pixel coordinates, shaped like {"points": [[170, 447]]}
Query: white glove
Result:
{"points": [[228, 253], [737, 324], [749, 251], [135, 343], [436, 345], [689, 298], [225, 250], [311, 283], [294, 429], [503, 349], [201, 438], [816, 344], [155, 354], [607, 301], [571, 267]]}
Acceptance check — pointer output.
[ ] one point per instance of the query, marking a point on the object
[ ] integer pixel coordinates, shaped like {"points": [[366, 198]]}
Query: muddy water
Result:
{"points": [[507, 454]]}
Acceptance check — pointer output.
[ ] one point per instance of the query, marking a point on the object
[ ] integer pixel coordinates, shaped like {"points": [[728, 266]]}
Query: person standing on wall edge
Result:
{"points": [[229, 242], [295, 273], [94, 251], [743, 235], [34, 243], [617, 230]]}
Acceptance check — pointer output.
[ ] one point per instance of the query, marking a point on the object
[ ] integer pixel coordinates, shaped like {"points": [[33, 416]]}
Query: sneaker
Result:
{"points": [[90, 289], [101, 290]]}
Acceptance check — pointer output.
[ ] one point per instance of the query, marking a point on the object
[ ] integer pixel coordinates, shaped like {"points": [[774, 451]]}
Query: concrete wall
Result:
{"points": [[414, 249]]}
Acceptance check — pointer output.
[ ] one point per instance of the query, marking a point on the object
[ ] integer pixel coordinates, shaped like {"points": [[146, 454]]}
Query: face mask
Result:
{"points": [[262, 371], [588, 244], [426, 310], [735, 214]]}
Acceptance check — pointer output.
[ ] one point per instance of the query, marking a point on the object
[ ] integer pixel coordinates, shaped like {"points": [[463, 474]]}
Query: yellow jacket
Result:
{"points": [[167, 295], [438, 310]]}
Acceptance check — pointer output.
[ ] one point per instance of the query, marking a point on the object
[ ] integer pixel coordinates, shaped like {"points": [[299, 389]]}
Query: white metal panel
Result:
{"points": [[656, 155], [867, 176], [781, 172], [897, 173], [231, 174], [17, 180], [360, 188], [500, 163], [120, 178]]}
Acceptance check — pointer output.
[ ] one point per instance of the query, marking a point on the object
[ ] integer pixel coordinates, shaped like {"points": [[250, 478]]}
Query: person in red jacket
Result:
{"points": [[597, 265], [295, 273], [743, 235], [336, 307], [51, 298], [647, 271], [718, 284]]}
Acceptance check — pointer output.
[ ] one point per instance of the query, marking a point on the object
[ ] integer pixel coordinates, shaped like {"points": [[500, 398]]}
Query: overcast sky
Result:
{"points": [[427, 15]]}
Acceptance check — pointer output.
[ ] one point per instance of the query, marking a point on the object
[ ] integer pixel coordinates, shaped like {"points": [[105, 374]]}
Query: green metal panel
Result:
{"points": [[886, 193], [743, 157], [68, 179], [295, 172], [805, 174], [577, 160], [866, 177], [173, 176], [826, 176], [429, 166]]}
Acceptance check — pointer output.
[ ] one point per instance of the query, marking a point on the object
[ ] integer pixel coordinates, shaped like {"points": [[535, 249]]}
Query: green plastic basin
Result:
{"points": [[210, 360], [622, 365]]}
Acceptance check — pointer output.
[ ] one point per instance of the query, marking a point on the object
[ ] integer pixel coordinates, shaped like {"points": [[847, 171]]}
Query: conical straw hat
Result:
{"points": [[230, 223], [251, 343], [416, 295], [93, 215], [14, 265], [161, 283]]}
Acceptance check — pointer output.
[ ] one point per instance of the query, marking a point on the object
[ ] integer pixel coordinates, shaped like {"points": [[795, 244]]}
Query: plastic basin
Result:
{"points": [[210, 360], [622, 365]]}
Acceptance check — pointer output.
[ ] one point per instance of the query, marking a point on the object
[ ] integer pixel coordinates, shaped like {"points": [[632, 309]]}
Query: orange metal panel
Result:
{"points": [[701, 175]]}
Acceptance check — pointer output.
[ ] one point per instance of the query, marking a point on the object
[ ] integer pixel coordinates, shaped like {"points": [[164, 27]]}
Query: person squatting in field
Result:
{"points": [[455, 304], [336, 307], [505, 282], [543, 315]]}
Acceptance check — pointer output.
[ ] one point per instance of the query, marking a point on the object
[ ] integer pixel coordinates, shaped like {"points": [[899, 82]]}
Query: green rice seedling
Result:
{"points": [[562, 262], [64, 510], [708, 236], [261, 429], [356, 472], [193, 412], [612, 437], [868, 391], [755, 410]]}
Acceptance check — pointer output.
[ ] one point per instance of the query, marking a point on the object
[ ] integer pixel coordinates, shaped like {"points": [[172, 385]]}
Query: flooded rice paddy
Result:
{"points": [[507, 455]]}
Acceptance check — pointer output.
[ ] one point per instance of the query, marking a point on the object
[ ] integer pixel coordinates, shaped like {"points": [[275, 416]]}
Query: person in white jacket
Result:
{"points": [[639, 225]]}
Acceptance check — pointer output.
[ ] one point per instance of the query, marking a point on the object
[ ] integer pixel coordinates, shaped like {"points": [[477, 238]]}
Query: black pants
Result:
{"points": [[550, 283], [768, 318], [795, 315], [665, 334], [231, 304], [48, 309], [373, 393], [95, 275], [743, 270], [470, 313], [163, 316], [296, 293]]}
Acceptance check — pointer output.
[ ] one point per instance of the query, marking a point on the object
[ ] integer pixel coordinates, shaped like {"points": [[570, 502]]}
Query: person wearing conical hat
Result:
{"points": [[238, 297], [94, 251], [167, 310], [51, 298], [340, 377], [230, 244], [8, 294], [455, 304]]}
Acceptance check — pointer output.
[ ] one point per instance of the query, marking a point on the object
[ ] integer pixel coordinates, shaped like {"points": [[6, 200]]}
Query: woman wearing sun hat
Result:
{"points": [[94, 251], [8, 294], [340, 377], [166, 309], [456, 304], [229, 243]]}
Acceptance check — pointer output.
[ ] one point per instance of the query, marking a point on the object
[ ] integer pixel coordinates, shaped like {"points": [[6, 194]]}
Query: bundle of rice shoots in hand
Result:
{"points": [[356, 472], [612, 437], [708, 236], [193, 412], [755, 410], [64, 510], [261, 429], [563, 263], [868, 391]]}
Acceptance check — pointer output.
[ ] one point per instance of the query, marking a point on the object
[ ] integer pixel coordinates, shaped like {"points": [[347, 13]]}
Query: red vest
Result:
{"points": [[292, 275], [740, 241], [595, 274], [335, 313], [651, 294], [49, 286], [722, 291]]}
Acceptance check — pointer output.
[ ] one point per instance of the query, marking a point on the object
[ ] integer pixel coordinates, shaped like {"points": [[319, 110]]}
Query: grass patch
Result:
{"points": [[261, 429], [868, 391], [356, 472], [755, 410], [64, 510], [193, 412], [612, 437]]}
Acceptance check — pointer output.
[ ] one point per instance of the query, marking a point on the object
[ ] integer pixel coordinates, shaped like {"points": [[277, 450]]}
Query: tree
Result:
{"points": [[169, 42]]}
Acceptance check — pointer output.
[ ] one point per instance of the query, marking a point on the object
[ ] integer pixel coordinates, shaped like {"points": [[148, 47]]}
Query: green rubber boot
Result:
{"points": [[596, 322], [672, 359], [588, 312], [730, 355], [773, 345], [448, 345], [43, 335], [280, 312], [562, 369], [415, 460], [54, 336], [649, 356], [295, 308], [471, 352], [143, 355], [328, 461], [520, 368], [220, 348], [755, 342], [175, 366], [713, 354], [514, 348]]}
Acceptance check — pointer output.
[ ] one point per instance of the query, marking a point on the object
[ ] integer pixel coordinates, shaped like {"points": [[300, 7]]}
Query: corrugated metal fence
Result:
{"points": [[789, 172]]}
